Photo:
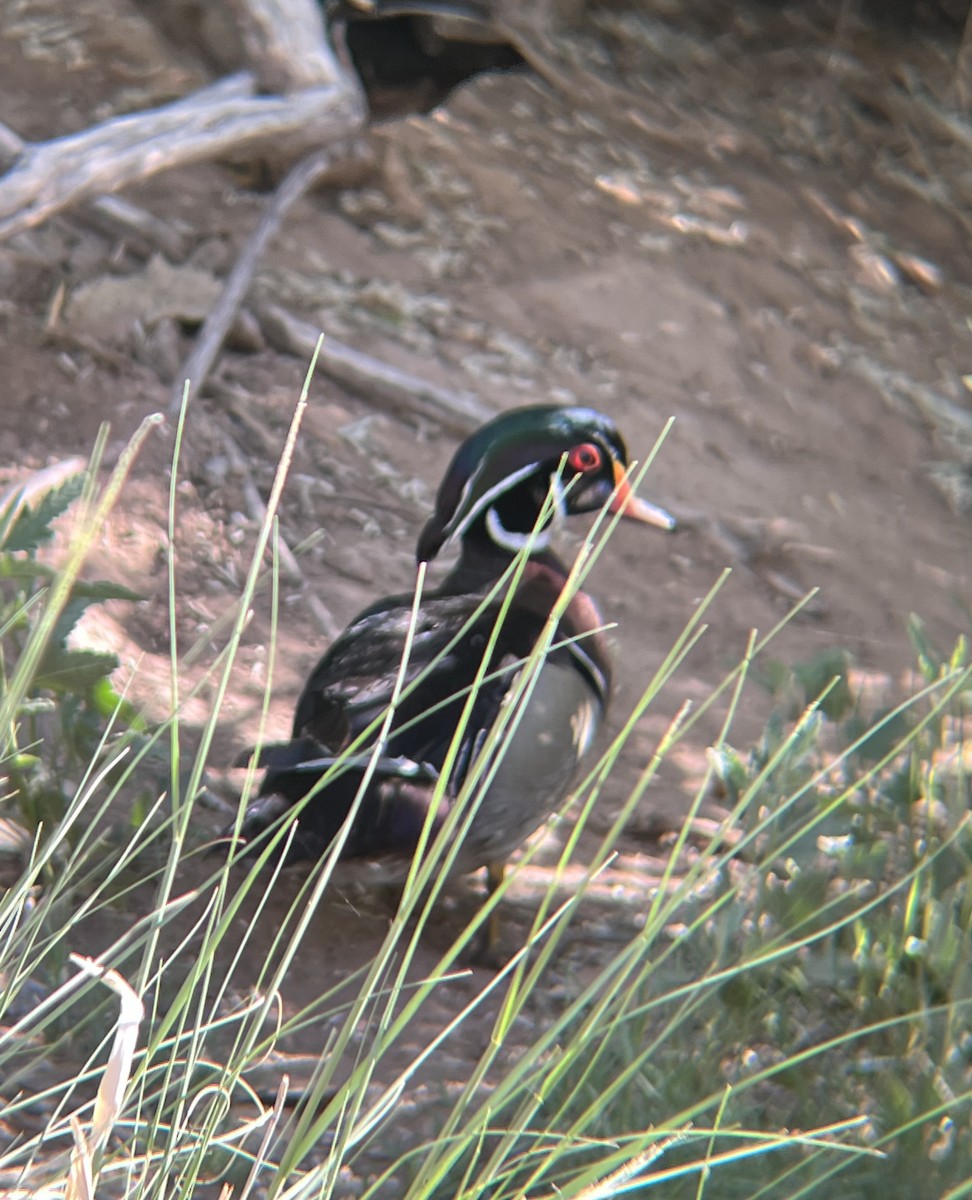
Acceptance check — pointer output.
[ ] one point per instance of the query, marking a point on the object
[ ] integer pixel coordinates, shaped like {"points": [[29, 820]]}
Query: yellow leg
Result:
{"points": [[495, 873], [485, 952]]}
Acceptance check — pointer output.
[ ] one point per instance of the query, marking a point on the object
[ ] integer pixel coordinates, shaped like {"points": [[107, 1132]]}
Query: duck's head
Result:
{"points": [[498, 482]]}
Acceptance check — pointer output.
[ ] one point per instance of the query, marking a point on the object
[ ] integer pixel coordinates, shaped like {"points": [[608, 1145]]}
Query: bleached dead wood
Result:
{"points": [[119, 217], [458, 411], [11, 146], [286, 44], [320, 104], [49, 177]]}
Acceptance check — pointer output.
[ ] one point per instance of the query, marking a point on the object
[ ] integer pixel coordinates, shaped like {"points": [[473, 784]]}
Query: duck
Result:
{"points": [[508, 487], [411, 54]]}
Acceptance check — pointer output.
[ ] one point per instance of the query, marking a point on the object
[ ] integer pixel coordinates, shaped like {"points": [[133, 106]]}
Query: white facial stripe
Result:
{"points": [[514, 541], [541, 538], [467, 488], [487, 497], [559, 495]]}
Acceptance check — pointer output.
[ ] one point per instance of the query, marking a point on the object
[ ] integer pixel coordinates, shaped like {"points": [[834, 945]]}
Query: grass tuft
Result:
{"points": [[789, 1016]]}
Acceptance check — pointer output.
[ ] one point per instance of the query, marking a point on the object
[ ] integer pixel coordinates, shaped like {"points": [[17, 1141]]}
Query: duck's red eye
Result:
{"points": [[585, 458]]}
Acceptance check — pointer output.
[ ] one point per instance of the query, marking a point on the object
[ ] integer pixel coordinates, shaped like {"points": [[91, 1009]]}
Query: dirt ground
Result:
{"points": [[768, 241]]}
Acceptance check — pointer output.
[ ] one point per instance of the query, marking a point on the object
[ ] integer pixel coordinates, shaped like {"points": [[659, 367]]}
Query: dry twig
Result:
{"points": [[216, 326], [458, 411], [117, 216]]}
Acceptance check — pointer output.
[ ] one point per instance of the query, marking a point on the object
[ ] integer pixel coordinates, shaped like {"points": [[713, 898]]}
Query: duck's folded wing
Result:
{"points": [[358, 674]]}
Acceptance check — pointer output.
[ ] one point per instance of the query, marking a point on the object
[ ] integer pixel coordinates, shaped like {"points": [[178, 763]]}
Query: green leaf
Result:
{"points": [[76, 671], [774, 676], [930, 659], [865, 860], [24, 568], [886, 730], [69, 616], [903, 787], [730, 770], [802, 741], [829, 669], [83, 595], [108, 703], [7, 518], [33, 526], [801, 900], [102, 589], [960, 655], [22, 762]]}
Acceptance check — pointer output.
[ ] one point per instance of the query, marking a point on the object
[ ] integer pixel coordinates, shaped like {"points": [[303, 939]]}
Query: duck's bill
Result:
{"points": [[633, 508]]}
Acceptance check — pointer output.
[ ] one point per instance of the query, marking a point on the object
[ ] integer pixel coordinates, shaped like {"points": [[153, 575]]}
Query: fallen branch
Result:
{"points": [[457, 411], [118, 217], [286, 44], [47, 178], [11, 146], [220, 319]]}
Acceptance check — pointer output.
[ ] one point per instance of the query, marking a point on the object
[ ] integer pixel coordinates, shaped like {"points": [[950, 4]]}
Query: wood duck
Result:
{"points": [[410, 54], [507, 487]]}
